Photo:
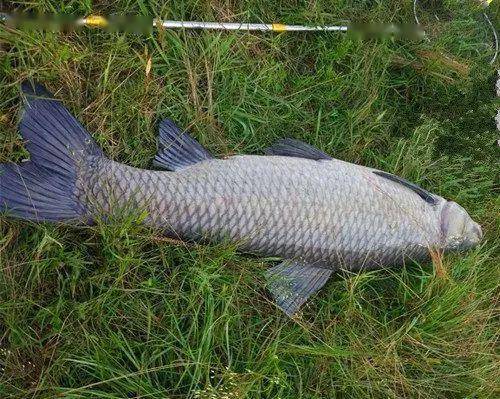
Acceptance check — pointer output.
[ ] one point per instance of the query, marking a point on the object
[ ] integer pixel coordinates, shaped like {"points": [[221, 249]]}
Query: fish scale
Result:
{"points": [[266, 205]]}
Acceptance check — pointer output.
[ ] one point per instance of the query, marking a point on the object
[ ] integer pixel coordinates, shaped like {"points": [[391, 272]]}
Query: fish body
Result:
{"points": [[317, 213], [327, 212]]}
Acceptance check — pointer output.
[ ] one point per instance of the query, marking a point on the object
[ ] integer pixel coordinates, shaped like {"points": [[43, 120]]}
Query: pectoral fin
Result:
{"points": [[424, 194], [292, 283]]}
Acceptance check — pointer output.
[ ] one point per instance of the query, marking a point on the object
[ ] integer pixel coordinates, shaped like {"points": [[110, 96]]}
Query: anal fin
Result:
{"points": [[292, 283]]}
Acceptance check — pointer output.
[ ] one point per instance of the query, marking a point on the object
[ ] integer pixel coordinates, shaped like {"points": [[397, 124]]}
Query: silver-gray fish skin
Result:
{"points": [[326, 212]]}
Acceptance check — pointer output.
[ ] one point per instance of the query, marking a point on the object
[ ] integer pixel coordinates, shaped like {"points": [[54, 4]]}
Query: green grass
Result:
{"points": [[115, 311]]}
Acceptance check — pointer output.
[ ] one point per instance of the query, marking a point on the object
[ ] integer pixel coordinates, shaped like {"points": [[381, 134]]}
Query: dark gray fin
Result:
{"points": [[43, 189], [54, 138], [424, 194], [33, 192], [177, 149], [296, 148], [292, 283]]}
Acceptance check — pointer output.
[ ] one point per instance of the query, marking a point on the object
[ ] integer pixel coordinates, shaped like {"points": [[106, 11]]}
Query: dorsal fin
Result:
{"points": [[424, 194], [177, 149], [296, 148]]}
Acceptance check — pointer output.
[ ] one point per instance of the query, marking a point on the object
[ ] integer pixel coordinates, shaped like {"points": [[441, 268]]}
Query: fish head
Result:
{"points": [[459, 231]]}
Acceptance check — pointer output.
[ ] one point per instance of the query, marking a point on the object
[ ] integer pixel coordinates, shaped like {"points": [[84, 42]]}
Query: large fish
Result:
{"points": [[317, 213]]}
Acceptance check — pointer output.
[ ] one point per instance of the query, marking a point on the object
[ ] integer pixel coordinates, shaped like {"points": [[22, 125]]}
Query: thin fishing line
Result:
{"points": [[495, 35]]}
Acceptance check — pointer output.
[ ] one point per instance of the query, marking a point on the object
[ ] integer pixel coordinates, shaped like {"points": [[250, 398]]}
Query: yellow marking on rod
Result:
{"points": [[279, 27], [97, 21]]}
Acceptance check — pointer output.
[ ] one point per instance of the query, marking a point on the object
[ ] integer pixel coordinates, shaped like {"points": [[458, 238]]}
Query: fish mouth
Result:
{"points": [[458, 230]]}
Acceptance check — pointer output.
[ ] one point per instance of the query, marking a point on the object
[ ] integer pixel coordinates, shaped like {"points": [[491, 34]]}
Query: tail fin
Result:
{"points": [[43, 189]]}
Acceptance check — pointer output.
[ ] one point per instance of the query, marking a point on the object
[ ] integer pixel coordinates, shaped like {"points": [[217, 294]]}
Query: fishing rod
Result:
{"points": [[100, 21]]}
